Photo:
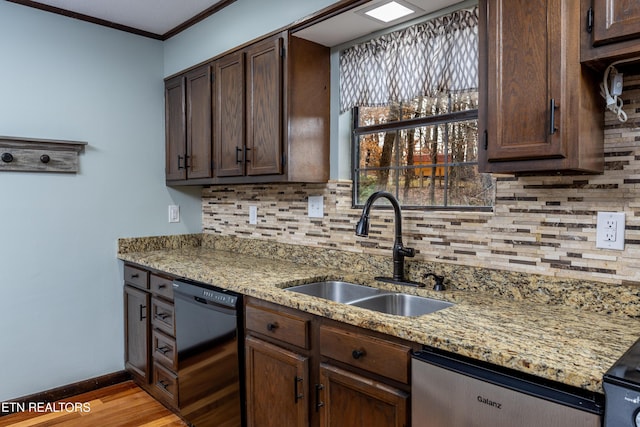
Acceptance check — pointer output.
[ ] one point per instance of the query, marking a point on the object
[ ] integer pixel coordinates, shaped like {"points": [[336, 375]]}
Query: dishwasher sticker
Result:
{"points": [[489, 402]]}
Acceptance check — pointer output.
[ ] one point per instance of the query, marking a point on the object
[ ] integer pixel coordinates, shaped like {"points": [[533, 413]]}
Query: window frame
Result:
{"points": [[446, 118]]}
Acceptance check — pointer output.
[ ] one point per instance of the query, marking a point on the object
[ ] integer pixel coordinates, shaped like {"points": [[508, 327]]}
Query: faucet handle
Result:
{"points": [[410, 252]]}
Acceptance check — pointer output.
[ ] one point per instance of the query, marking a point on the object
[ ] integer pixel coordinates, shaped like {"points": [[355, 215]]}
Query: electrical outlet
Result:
{"points": [[610, 230], [315, 207], [174, 213], [253, 215]]}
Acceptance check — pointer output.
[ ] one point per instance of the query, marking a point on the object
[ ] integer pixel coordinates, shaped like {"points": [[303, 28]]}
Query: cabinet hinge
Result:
{"points": [[590, 20]]}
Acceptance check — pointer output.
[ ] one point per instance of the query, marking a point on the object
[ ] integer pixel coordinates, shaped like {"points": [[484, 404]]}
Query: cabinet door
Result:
{"points": [[199, 144], [277, 386], [136, 323], [522, 80], [229, 113], [350, 400], [264, 82], [175, 129], [615, 20]]}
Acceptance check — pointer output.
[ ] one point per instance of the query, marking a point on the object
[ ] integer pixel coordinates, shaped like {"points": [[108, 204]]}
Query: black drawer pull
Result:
{"points": [[272, 326], [162, 384], [357, 354], [7, 157], [163, 350], [45, 158], [162, 316], [135, 276]]}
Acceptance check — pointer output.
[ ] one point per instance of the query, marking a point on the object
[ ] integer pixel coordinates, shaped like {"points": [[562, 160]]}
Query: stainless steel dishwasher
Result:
{"points": [[209, 344], [451, 391]]}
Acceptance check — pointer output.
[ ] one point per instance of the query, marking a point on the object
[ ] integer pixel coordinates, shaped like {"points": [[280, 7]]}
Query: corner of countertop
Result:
{"points": [[156, 243]]}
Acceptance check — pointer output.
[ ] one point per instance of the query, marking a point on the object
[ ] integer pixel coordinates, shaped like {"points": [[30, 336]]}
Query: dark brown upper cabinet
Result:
{"points": [[540, 111], [188, 125], [248, 111], [271, 112], [611, 31]]}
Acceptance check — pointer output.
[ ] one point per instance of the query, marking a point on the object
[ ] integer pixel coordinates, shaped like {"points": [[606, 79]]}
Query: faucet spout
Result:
{"points": [[399, 250]]}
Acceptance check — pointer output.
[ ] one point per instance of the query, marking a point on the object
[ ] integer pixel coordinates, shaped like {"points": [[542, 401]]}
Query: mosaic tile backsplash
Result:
{"points": [[542, 226]]}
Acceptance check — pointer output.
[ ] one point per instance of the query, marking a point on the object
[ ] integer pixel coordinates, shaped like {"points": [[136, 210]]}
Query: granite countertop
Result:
{"points": [[572, 346]]}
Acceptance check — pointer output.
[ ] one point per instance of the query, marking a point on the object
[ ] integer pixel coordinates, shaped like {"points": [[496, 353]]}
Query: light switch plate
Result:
{"points": [[316, 207], [610, 230], [253, 214], [174, 213]]}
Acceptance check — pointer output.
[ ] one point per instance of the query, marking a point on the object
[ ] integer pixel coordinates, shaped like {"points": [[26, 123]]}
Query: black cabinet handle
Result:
{"points": [[246, 156], [162, 316], [238, 152], [297, 380], [163, 350], [45, 158], [357, 354], [135, 276], [7, 157], [142, 313], [162, 384], [272, 326], [552, 119], [319, 403], [186, 161], [179, 160]]}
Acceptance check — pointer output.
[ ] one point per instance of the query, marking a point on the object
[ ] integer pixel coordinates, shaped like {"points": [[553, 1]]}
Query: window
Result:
{"points": [[414, 98]]}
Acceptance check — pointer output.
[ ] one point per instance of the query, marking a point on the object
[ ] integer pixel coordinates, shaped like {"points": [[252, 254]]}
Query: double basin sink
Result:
{"points": [[395, 303]]}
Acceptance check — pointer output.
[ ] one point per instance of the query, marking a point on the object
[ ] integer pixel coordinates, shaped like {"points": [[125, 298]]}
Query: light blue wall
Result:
{"points": [[61, 315], [238, 23]]}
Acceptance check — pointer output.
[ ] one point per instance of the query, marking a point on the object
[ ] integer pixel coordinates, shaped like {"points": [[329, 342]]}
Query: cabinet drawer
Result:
{"points": [[165, 385], [161, 286], [282, 326], [136, 276], [162, 315], [366, 352], [163, 349]]}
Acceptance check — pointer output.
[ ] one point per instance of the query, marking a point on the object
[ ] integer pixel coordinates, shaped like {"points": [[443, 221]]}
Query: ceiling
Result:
{"points": [[354, 24], [161, 19]]}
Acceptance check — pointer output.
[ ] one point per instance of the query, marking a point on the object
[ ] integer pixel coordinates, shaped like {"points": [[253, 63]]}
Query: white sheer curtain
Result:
{"points": [[431, 58]]}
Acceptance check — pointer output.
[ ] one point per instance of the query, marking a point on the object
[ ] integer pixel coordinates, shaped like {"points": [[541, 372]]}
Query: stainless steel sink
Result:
{"points": [[333, 290], [401, 304]]}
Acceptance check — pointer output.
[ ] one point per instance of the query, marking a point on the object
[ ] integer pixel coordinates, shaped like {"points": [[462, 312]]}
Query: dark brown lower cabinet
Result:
{"points": [[137, 326], [352, 400], [305, 370], [277, 380]]}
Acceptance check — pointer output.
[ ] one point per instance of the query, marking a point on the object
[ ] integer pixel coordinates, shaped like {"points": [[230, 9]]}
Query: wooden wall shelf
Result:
{"points": [[39, 155]]}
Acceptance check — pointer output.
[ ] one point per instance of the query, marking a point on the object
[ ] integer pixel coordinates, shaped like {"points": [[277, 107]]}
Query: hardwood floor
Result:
{"points": [[119, 405]]}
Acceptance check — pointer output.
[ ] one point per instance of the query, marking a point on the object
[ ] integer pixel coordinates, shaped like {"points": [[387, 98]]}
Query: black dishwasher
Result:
{"points": [[208, 322]]}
